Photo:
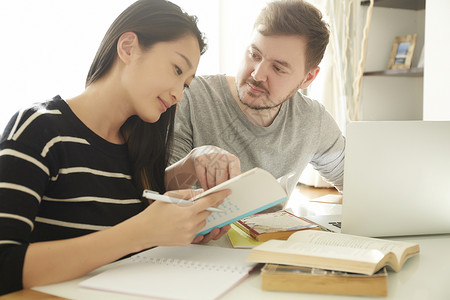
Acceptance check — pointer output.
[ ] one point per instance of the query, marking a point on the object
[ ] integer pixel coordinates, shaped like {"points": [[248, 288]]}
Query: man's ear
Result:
{"points": [[126, 46], [309, 78]]}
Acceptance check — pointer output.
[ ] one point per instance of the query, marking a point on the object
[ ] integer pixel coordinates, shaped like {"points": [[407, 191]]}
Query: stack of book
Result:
{"points": [[255, 229], [330, 263], [313, 280]]}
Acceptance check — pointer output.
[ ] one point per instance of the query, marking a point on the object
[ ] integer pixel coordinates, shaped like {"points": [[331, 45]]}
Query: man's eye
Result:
{"points": [[254, 55], [178, 70], [278, 69]]}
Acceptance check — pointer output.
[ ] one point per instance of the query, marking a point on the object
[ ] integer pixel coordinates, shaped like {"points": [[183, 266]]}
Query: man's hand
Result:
{"points": [[209, 165], [214, 165]]}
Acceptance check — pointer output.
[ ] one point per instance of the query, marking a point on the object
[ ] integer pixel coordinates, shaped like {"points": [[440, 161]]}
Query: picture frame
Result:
{"points": [[402, 52], [421, 59]]}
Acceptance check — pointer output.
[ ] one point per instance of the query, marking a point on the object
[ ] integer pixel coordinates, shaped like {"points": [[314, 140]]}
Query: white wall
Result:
{"points": [[236, 19], [387, 97], [437, 63], [48, 45], [47, 48]]}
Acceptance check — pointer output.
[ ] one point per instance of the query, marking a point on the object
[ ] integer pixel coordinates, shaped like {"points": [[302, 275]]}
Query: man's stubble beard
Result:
{"points": [[241, 93]]}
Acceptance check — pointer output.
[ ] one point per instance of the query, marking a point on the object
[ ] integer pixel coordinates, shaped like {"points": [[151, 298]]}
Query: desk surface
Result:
{"points": [[425, 276]]}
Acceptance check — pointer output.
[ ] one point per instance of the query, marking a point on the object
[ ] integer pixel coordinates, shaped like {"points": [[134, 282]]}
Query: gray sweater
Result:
{"points": [[303, 132]]}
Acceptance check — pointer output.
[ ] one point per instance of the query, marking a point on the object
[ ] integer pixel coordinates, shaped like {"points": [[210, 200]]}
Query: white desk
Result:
{"points": [[425, 276]]}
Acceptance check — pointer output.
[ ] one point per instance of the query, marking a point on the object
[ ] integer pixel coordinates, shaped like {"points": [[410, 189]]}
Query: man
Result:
{"points": [[259, 116]]}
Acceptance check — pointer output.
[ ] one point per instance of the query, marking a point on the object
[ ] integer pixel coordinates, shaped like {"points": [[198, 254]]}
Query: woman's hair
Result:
{"points": [[296, 17], [149, 144]]}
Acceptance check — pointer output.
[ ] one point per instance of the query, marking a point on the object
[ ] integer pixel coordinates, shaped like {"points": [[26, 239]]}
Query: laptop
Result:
{"points": [[396, 180]]}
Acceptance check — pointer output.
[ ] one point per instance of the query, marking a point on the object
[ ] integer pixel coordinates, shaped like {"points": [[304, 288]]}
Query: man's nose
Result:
{"points": [[259, 73]]}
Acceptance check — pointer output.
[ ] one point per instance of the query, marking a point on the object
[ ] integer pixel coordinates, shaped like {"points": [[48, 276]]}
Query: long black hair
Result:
{"points": [[149, 144]]}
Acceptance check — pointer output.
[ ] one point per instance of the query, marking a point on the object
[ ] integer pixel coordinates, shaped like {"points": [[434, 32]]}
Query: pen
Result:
{"points": [[158, 197]]}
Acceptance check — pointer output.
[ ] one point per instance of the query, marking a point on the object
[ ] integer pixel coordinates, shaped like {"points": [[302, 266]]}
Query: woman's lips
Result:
{"points": [[163, 104]]}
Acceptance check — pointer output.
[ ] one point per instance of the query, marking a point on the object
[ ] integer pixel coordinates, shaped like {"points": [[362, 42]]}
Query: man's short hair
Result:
{"points": [[296, 17]]}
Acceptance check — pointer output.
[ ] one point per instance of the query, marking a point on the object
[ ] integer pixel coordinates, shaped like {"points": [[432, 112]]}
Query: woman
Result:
{"points": [[72, 171]]}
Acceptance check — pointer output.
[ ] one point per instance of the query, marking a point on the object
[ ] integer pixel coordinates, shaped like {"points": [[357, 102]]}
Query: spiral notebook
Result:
{"points": [[184, 273]]}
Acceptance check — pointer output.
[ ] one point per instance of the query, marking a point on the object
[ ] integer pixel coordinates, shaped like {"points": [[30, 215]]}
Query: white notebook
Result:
{"points": [[252, 192], [185, 273]]}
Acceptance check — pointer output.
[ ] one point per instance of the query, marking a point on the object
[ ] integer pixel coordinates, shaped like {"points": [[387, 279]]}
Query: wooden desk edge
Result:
{"points": [[30, 294]]}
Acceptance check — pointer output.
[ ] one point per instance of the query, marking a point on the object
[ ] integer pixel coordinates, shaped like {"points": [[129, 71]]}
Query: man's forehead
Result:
{"points": [[289, 49]]}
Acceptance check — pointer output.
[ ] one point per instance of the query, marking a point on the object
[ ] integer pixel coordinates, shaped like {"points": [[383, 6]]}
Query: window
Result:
{"points": [[48, 45]]}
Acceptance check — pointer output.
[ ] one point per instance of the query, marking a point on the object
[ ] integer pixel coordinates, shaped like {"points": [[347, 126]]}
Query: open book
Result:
{"points": [[185, 273], [252, 192], [335, 251]]}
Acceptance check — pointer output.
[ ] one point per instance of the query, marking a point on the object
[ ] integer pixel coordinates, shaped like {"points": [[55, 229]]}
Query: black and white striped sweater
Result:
{"points": [[58, 180]]}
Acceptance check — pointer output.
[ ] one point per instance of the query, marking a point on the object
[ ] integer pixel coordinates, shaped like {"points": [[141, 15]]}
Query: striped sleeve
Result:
{"points": [[23, 177], [58, 180], [22, 182]]}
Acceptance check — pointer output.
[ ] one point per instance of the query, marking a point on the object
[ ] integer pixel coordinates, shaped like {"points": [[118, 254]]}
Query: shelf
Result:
{"points": [[413, 72], [404, 4]]}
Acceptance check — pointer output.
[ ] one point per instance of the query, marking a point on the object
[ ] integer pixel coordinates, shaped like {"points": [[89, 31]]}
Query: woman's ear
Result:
{"points": [[309, 78], [126, 46]]}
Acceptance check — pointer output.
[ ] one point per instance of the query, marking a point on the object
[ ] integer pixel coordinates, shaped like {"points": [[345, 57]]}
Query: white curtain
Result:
{"points": [[339, 69]]}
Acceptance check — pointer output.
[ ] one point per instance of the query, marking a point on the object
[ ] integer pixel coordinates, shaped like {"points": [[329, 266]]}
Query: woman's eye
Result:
{"points": [[178, 70], [186, 86]]}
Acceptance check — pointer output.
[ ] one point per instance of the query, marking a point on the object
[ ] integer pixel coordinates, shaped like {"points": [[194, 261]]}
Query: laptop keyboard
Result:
{"points": [[337, 224]]}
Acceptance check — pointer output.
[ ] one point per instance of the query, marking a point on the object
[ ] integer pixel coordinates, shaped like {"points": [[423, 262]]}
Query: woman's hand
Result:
{"points": [[215, 234], [167, 224]]}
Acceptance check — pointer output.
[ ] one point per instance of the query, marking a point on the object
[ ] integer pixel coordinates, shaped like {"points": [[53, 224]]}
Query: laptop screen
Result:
{"points": [[396, 178]]}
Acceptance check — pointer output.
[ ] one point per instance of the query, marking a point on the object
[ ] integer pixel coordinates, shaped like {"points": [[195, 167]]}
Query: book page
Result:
{"points": [[284, 180], [312, 250], [351, 241]]}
